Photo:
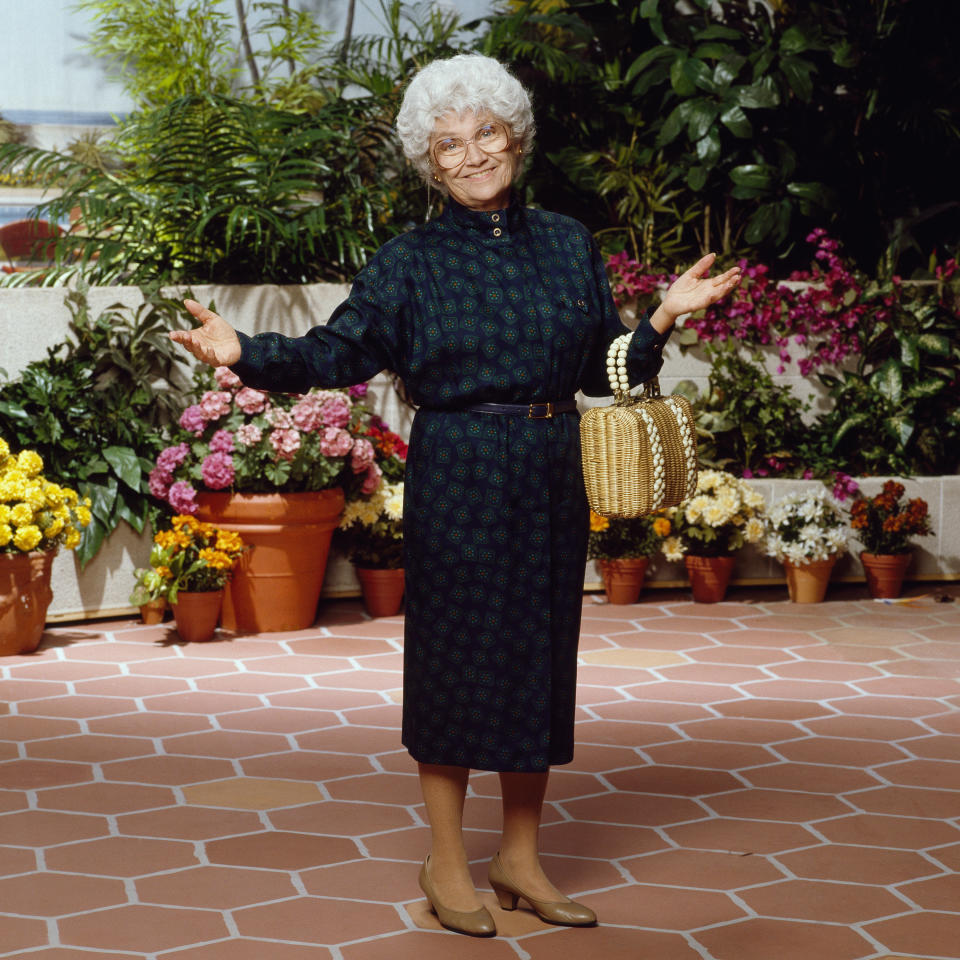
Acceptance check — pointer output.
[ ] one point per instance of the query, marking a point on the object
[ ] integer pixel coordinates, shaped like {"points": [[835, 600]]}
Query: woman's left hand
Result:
{"points": [[693, 290]]}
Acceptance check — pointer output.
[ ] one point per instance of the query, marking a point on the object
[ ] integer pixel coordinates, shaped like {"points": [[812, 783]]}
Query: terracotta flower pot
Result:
{"points": [[152, 612], [709, 577], [885, 572], [807, 582], [382, 591], [276, 584], [196, 614], [25, 595], [623, 578]]}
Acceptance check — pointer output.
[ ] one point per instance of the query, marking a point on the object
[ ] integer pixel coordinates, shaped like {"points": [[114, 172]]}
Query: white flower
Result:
{"points": [[673, 548], [393, 501], [754, 530]]}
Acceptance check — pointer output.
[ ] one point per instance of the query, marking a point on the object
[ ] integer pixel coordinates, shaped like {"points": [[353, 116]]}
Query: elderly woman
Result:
{"points": [[493, 315]]}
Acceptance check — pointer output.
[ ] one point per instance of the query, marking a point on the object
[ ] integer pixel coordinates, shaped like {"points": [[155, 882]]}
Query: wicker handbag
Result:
{"points": [[640, 454]]}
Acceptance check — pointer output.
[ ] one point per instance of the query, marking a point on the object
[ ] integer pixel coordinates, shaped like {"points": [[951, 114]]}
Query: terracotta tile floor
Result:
{"points": [[753, 781]]}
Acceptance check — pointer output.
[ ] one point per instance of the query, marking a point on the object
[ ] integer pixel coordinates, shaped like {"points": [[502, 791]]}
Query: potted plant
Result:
{"points": [[806, 532], [371, 535], [36, 518], [622, 548], [884, 526], [149, 594], [194, 561], [275, 468], [708, 529]]}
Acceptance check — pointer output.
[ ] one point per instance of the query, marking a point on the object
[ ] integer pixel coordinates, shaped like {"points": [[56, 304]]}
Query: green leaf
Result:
{"points": [[900, 428], [794, 40], [714, 51], [927, 388], [758, 95], [703, 113], [718, 32], [646, 59], [909, 354], [755, 176], [736, 121], [934, 343], [91, 541], [888, 380], [696, 178], [797, 71], [851, 423], [126, 465], [762, 222], [681, 81], [810, 190], [674, 123], [708, 149]]}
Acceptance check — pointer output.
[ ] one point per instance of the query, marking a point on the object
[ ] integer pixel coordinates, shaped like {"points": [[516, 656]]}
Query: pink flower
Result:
{"points": [[215, 404], [335, 442], [248, 434], [359, 390], [372, 479], [280, 419], [171, 458], [217, 470], [336, 410], [159, 483], [221, 442], [361, 456], [226, 378], [250, 401], [307, 413], [193, 420], [285, 443], [182, 497]]}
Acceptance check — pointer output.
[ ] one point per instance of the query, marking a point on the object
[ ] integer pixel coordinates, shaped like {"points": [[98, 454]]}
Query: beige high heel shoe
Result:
{"points": [[568, 913], [474, 923]]}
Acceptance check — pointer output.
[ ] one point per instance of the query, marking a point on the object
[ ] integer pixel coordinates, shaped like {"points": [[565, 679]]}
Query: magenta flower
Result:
{"points": [[226, 378], [361, 456], [217, 471], [159, 483], [182, 497], [372, 479], [193, 420], [221, 442], [250, 401], [359, 390], [171, 458], [335, 442]]}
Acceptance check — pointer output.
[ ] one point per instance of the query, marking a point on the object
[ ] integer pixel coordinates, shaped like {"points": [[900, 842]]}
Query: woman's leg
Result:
{"points": [[444, 789], [519, 847]]}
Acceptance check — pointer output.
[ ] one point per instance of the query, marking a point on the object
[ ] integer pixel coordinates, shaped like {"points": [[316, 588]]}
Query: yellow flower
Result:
{"points": [[72, 538], [6, 534], [164, 572], [4, 450], [598, 523], [54, 493], [84, 516], [30, 462], [54, 528], [22, 515], [70, 497], [4, 513], [26, 538], [229, 541], [164, 538], [661, 527], [34, 494]]}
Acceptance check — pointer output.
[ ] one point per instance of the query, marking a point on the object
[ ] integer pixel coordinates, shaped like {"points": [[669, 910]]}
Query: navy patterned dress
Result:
{"points": [[511, 306]]}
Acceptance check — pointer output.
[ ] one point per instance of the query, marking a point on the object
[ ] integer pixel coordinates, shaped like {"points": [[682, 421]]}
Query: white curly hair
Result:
{"points": [[465, 82]]}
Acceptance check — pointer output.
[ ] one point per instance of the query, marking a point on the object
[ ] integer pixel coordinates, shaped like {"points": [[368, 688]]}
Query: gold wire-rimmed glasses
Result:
{"points": [[490, 137]]}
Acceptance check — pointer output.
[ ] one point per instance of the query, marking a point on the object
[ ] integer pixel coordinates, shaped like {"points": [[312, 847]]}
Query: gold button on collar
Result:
{"points": [[497, 231]]}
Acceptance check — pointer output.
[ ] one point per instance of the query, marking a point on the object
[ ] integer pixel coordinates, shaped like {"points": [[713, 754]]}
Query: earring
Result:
{"points": [[436, 178]]}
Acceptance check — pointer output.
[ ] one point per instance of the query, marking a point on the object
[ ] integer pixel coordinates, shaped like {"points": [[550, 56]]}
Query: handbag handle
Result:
{"points": [[617, 374]]}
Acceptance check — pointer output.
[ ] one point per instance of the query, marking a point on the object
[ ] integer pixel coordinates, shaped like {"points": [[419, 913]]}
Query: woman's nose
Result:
{"points": [[474, 153]]}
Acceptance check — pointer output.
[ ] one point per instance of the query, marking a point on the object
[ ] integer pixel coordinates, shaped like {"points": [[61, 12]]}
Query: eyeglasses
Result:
{"points": [[490, 138]]}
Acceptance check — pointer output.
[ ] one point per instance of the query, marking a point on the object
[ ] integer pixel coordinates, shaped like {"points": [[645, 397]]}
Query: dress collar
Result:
{"points": [[486, 222]]}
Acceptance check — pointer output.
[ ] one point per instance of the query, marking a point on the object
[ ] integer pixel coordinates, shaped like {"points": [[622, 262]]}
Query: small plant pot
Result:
{"points": [[196, 614], [152, 612], [885, 573], [623, 578], [709, 577], [382, 591], [807, 582]]}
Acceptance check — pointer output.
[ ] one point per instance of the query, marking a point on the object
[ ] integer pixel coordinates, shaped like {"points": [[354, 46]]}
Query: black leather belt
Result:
{"points": [[531, 411]]}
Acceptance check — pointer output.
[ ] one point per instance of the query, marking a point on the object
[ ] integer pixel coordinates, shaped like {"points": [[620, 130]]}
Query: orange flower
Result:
{"points": [[598, 523], [661, 527]]}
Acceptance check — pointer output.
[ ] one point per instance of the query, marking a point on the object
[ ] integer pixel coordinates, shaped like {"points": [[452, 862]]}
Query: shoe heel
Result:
{"points": [[506, 899]]}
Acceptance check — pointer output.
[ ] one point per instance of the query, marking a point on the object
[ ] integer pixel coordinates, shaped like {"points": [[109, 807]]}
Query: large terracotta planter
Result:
{"points": [[807, 582], [382, 591], [709, 577], [196, 614], [623, 578], [25, 595], [885, 572], [276, 584]]}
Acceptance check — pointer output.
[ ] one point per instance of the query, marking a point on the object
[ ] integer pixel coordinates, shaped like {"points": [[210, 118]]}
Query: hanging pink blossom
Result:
{"points": [[193, 420], [182, 497], [217, 471], [226, 378], [250, 401], [335, 442]]}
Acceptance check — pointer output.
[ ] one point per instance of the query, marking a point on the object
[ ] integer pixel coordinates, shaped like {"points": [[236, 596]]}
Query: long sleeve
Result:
{"points": [[645, 355], [361, 338]]}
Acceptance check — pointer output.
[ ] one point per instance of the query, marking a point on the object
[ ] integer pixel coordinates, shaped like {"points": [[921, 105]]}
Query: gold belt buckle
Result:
{"points": [[545, 416]]}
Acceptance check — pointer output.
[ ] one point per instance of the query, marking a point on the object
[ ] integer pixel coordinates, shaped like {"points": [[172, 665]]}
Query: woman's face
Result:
{"points": [[478, 180]]}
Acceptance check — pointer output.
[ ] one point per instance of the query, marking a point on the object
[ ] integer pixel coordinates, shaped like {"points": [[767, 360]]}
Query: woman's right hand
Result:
{"points": [[214, 341]]}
